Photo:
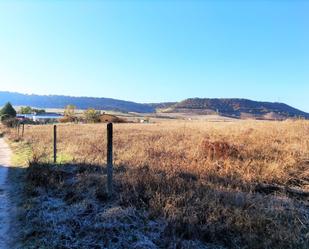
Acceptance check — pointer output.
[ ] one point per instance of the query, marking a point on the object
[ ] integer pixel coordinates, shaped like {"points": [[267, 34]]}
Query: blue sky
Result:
{"points": [[153, 51]]}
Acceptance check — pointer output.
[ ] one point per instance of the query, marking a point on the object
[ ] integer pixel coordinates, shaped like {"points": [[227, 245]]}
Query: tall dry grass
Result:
{"points": [[242, 184], [250, 151]]}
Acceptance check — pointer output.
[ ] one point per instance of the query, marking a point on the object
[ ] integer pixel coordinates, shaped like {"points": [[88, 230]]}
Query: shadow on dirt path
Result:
{"points": [[10, 190], [5, 156]]}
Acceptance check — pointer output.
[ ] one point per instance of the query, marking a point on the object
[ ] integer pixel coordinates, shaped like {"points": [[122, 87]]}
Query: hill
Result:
{"points": [[237, 108], [241, 108], [58, 101]]}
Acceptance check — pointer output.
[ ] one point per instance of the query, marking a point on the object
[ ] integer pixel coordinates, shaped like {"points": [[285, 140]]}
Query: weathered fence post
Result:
{"points": [[109, 159], [55, 143], [18, 126], [23, 130]]}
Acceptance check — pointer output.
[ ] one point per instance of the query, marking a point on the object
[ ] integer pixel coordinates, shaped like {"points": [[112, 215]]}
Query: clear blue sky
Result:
{"points": [[151, 51]]}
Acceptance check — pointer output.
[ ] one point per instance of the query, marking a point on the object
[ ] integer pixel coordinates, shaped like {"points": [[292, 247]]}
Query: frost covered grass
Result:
{"points": [[177, 185], [67, 207]]}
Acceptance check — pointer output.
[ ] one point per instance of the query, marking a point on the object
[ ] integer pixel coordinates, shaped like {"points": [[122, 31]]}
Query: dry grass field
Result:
{"points": [[178, 184]]}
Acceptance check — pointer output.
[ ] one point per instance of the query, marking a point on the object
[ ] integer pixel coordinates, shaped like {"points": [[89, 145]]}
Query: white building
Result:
{"points": [[43, 117]]}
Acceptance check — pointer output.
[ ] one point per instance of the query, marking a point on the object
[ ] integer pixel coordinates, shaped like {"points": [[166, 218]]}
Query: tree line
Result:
{"points": [[8, 115], [89, 116]]}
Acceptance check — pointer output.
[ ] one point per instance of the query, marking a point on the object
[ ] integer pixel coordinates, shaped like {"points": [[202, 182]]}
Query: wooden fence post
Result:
{"points": [[55, 143], [23, 130], [18, 126], [109, 159]]}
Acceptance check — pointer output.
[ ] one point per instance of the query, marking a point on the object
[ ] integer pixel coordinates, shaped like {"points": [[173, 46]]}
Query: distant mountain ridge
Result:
{"points": [[231, 107], [236, 108], [60, 101]]}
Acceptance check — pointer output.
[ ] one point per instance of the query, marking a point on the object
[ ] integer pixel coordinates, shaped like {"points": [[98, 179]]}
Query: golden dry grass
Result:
{"points": [[251, 151], [206, 179]]}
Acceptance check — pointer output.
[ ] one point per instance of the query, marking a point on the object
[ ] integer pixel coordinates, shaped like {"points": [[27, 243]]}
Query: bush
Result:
{"points": [[25, 110], [10, 122], [92, 116], [29, 110]]}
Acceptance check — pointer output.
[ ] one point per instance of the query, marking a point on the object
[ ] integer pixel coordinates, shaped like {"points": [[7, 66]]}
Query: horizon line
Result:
{"points": [[137, 102]]}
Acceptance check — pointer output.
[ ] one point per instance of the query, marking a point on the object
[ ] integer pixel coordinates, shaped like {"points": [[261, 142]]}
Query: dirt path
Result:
{"points": [[5, 155]]}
